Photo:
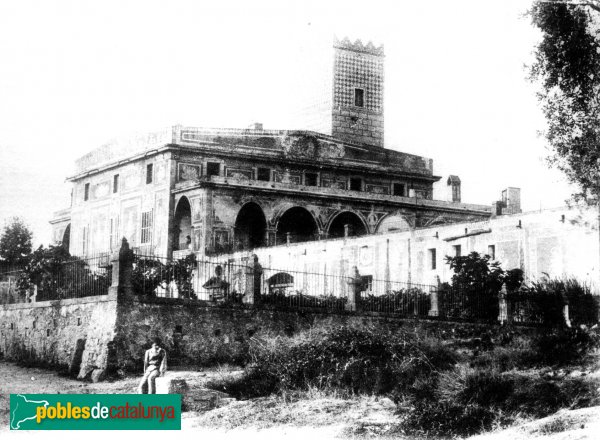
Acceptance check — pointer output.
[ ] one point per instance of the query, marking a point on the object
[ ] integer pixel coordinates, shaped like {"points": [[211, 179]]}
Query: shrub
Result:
{"points": [[475, 286], [566, 346], [350, 360], [543, 302], [410, 301], [300, 299], [59, 275], [150, 274]]}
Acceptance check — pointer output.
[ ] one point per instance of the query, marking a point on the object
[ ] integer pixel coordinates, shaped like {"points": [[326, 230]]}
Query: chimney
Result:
{"points": [[510, 203], [453, 189], [511, 197]]}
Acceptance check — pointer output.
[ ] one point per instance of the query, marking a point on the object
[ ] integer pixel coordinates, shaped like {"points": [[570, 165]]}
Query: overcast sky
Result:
{"points": [[75, 74]]}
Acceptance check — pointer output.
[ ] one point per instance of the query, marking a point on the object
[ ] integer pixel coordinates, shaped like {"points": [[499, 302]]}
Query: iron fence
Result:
{"points": [[225, 281], [469, 302], [76, 278], [9, 291], [398, 298]]}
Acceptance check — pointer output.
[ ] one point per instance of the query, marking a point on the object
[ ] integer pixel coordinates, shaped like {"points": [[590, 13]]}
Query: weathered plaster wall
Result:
{"points": [[560, 243], [71, 333], [99, 223]]}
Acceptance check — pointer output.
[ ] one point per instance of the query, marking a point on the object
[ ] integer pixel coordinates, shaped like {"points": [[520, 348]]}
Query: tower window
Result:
{"points": [[86, 192], [149, 169], [263, 174], [213, 168], [359, 97], [115, 183], [355, 184], [492, 251]]}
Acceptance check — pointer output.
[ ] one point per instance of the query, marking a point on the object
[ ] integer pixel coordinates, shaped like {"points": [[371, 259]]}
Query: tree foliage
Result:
{"points": [[15, 242], [567, 68], [58, 275]]}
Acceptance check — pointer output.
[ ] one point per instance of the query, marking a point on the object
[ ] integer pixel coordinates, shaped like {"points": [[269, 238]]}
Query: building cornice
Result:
{"points": [[334, 194]]}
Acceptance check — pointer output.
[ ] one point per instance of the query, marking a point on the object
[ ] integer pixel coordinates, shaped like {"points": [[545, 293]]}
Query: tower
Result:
{"points": [[357, 105]]}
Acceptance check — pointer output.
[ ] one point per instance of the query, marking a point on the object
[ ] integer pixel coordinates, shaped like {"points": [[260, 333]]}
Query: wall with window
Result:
{"points": [[560, 243], [193, 167], [130, 200]]}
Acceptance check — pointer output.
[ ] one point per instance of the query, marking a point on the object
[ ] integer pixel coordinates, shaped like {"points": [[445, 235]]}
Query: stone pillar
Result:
{"points": [[122, 269], [252, 281], [433, 295], [288, 237], [504, 317], [346, 231], [565, 308], [355, 287]]}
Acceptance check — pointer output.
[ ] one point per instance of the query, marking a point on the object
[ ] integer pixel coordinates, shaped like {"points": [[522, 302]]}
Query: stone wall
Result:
{"points": [[72, 334], [198, 333]]}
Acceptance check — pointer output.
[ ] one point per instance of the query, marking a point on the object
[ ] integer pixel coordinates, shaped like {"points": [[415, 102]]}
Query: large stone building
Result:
{"points": [[222, 190]]}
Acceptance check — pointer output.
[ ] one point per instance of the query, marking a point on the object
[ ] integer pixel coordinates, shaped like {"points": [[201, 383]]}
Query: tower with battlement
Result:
{"points": [[357, 104]]}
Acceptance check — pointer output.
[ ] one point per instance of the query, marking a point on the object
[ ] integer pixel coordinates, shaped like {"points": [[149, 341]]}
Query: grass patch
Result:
{"points": [[441, 388]]}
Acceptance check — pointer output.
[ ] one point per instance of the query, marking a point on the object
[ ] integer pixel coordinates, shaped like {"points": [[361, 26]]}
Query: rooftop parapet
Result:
{"points": [[290, 144]]}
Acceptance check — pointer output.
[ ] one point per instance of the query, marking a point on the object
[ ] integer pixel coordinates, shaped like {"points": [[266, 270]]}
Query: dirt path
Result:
{"points": [[15, 379], [317, 418]]}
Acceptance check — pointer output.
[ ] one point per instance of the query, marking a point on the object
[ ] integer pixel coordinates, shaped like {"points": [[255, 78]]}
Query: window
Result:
{"points": [[86, 192], [359, 97], [149, 169], [84, 240], [213, 169], [263, 174], [399, 189], [457, 250], [432, 259], [311, 179], [115, 183], [492, 251], [146, 227], [355, 184]]}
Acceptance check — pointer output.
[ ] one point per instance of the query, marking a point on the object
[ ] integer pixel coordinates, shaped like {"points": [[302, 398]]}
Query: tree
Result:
{"points": [[476, 282], [15, 242], [567, 67]]}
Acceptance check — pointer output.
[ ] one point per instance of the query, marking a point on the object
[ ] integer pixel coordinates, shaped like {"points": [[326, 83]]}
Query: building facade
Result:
{"points": [[224, 190]]}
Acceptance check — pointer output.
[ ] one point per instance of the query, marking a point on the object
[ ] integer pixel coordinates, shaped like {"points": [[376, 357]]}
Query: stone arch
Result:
{"points": [[439, 220], [356, 225], [393, 223], [299, 223], [250, 227], [183, 224]]}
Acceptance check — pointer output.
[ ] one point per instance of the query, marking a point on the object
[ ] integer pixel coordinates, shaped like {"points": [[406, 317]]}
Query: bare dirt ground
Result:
{"points": [[318, 416]]}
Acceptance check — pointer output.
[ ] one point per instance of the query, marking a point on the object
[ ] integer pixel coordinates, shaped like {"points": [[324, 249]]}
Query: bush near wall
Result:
{"points": [[59, 275], [411, 301], [542, 303]]}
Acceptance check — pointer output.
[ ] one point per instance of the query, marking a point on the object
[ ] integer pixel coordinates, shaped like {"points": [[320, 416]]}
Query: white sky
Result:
{"points": [[74, 74]]}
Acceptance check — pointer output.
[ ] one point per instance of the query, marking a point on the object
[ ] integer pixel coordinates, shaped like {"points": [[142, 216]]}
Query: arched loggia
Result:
{"points": [[298, 225], [250, 227], [349, 220]]}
